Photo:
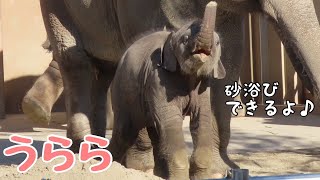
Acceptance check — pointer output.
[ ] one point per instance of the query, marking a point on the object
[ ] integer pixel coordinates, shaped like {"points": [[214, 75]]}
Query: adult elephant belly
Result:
{"points": [[238, 6], [98, 28], [136, 18]]}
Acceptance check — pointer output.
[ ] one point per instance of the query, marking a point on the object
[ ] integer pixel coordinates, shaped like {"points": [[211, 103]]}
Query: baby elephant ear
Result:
{"points": [[168, 59], [219, 71]]}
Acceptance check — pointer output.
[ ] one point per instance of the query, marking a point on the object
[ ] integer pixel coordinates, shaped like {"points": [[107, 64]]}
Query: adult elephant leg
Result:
{"points": [[75, 66], [103, 76], [39, 100], [230, 28], [77, 80], [297, 24], [140, 155]]}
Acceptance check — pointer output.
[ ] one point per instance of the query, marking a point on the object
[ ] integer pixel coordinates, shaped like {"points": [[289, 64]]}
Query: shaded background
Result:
{"points": [[24, 59]]}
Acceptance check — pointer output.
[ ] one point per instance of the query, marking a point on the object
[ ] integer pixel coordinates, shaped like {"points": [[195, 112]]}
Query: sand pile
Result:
{"points": [[259, 164], [80, 171]]}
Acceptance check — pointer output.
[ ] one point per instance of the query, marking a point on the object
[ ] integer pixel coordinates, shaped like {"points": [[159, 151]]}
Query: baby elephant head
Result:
{"points": [[196, 47]]}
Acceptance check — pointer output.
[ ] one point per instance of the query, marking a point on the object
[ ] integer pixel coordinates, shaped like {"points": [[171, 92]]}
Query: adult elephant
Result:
{"points": [[88, 38]]}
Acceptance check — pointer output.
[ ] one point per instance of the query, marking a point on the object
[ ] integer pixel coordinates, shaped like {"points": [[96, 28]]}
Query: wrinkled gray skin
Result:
{"points": [[169, 77], [83, 31]]}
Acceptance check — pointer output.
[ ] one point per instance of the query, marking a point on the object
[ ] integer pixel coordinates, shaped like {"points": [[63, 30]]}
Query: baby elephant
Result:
{"points": [[162, 77]]}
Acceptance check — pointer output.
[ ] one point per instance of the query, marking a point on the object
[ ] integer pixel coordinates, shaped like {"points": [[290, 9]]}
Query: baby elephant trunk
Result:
{"points": [[205, 38]]}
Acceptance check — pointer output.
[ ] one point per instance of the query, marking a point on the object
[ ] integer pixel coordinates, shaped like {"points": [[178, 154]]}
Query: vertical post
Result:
{"points": [[246, 72], [2, 102], [293, 85], [245, 75], [275, 63], [258, 50]]}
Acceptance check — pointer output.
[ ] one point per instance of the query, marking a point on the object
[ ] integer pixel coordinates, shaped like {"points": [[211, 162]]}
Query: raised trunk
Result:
{"points": [[206, 35], [299, 30]]}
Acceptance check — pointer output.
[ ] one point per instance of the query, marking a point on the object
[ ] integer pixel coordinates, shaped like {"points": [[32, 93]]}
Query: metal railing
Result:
{"points": [[243, 174]]}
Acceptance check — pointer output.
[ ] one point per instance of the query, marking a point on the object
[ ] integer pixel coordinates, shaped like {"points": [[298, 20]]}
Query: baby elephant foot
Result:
{"points": [[220, 169], [140, 155], [174, 166], [140, 159], [218, 172], [204, 164]]}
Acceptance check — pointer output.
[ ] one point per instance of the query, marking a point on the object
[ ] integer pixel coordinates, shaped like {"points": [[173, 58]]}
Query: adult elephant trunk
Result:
{"points": [[205, 37], [298, 26]]}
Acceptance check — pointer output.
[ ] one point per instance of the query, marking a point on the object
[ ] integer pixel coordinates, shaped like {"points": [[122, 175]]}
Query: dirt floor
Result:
{"points": [[265, 146], [80, 171]]}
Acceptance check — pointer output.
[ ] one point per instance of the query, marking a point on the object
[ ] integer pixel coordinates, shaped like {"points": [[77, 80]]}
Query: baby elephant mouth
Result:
{"points": [[203, 51], [201, 55]]}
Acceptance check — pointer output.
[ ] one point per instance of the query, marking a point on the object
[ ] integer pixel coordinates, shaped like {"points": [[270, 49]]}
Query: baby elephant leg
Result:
{"points": [[205, 162], [140, 155], [169, 148], [123, 136]]}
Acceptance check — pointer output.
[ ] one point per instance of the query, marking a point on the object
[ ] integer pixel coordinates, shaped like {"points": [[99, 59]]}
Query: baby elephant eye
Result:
{"points": [[185, 40], [217, 42]]}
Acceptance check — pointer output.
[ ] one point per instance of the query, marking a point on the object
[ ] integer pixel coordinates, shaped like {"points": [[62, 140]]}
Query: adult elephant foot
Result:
{"points": [[38, 102]]}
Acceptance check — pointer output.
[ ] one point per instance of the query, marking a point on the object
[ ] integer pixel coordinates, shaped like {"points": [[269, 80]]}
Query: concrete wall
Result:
{"points": [[23, 34], [24, 58]]}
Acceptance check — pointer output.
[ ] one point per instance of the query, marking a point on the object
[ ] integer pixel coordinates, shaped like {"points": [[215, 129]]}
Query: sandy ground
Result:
{"points": [[80, 171], [265, 146]]}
